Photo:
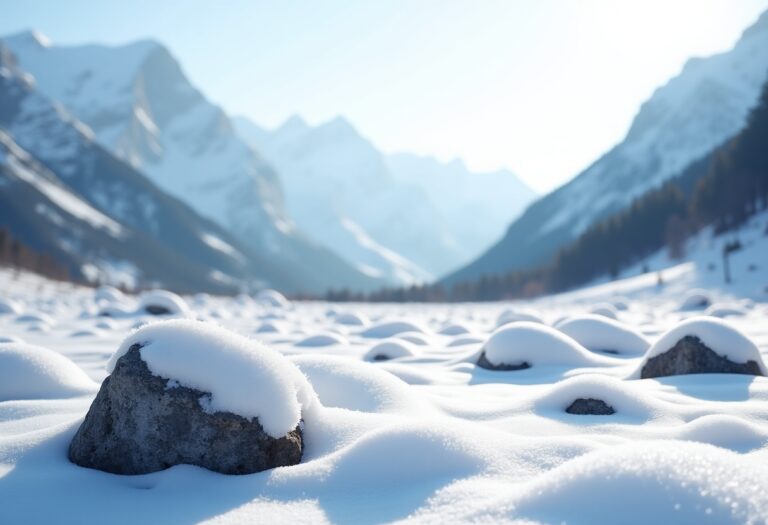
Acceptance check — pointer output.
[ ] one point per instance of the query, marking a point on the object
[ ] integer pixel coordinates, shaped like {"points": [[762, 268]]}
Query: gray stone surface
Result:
{"points": [[690, 356], [590, 407], [483, 362], [141, 423]]}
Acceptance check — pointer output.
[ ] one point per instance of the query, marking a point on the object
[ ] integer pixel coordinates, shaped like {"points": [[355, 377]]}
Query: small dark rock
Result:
{"points": [[590, 407], [381, 357], [691, 356], [483, 362], [141, 423], [154, 309]]}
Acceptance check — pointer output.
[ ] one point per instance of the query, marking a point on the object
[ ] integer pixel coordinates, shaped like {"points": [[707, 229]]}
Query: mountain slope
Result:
{"points": [[694, 112], [140, 106], [69, 184], [476, 207], [402, 216]]}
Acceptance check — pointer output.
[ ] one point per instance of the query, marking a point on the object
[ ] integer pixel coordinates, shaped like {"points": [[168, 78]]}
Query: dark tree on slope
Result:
{"points": [[736, 185]]}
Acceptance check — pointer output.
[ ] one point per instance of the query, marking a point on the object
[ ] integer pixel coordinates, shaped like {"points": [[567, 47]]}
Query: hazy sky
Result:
{"points": [[542, 87]]}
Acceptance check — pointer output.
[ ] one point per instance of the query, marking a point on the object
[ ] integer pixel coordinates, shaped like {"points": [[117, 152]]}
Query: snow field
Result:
{"points": [[423, 437]]}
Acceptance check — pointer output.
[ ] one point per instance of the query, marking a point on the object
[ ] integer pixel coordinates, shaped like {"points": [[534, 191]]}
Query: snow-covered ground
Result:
{"points": [[426, 436]]}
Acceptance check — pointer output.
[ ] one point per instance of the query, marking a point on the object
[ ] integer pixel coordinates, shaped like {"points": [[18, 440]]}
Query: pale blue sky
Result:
{"points": [[542, 87]]}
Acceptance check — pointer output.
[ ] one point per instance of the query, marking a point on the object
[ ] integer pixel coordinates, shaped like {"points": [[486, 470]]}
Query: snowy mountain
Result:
{"points": [[71, 198], [476, 207], [140, 106], [402, 217], [704, 105]]}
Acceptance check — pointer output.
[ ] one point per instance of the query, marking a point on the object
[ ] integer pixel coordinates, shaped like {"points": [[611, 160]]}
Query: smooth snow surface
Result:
{"points": [[424, 437], [242, 376]]}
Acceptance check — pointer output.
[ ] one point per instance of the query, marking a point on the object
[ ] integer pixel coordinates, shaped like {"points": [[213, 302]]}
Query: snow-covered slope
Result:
{"points": [[68, 197], [476, 207], [140, 105], [704, 105], [338, 187]]}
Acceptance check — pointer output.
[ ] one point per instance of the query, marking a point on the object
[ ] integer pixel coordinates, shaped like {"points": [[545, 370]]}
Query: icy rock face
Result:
{"points": [[590, 407], [690, 356], [141, 423]]}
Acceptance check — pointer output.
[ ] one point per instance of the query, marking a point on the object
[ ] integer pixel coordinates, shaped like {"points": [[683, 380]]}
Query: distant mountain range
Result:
{"points": [[322, 208], [703, 106], [402, 217], [136, 104]]}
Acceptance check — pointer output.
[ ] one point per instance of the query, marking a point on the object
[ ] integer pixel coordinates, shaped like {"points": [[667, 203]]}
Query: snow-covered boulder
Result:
{"points": [[521, 345], [602, 334], [386, 350], [184, 391], [696, 300], [272, 298], [162, 302], [701, 345], [33, 372], [391, 328]]}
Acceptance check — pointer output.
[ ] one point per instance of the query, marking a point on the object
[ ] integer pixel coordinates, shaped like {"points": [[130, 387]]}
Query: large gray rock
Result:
{"points": [[691, 356], [142, 423], [483, 362]]}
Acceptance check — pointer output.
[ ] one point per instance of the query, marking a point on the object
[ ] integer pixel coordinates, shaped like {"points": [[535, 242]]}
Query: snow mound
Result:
{"points": [[537, 345], [725, 310], [326, 339], [354, 385], [716, 334], [33, 372], [602, 334], [10, 339], [696, 300], [351, 319], [271, 327], [461, 341], [454, 329], [638, 482], [423, 451], [605, 310], [162, 302], [108, 294], [387, 350], [514, 315], [724, 431], [243, 376], [34, 318], [391, 328], [272, 298], [9, 307], [414, 337], [624, 397]]}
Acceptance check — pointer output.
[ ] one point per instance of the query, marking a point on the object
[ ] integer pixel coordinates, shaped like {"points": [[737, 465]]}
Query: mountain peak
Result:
{"points": [[292, 124], [29, 38]]}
